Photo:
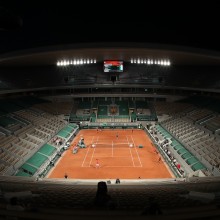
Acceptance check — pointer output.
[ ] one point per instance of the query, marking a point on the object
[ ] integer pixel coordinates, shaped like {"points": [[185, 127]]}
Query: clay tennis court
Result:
{"points": [[118, 154]]}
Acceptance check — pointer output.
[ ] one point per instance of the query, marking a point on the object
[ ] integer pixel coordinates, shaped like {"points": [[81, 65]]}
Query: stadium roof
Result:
{"points": [[36, 34], [27, 25], [105, 51]]}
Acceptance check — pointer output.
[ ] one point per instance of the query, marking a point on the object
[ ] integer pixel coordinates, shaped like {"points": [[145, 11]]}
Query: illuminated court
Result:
{"points": [[125, 154]]}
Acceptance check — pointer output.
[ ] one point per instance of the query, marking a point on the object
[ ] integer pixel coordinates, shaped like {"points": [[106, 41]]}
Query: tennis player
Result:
{"points": [[97, 164], [117, 135]]}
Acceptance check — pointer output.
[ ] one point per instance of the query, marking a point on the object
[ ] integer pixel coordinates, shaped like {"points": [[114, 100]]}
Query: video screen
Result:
{"points": [[113, 66]]}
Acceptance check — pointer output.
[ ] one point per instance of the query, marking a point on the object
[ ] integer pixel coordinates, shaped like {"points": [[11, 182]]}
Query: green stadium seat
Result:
{"points": [[198, 166], [192, 161], [182, 151], [29, 168], [186, 155]]}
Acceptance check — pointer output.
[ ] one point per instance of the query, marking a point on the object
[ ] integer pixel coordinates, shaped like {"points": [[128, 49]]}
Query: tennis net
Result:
{"points": [[111, 145]]}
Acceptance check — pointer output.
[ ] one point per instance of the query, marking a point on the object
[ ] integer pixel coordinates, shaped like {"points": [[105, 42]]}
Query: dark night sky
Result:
{"points": [[45, 23]]}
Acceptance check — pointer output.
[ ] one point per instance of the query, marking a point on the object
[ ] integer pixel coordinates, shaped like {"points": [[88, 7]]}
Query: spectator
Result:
{"points": [[102, 199], [178, 166], [117, 181], [153, 208], [14, 206]]}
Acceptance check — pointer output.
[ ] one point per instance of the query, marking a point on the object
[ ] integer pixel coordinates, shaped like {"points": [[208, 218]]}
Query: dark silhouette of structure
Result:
{"points": [[102, 199]]}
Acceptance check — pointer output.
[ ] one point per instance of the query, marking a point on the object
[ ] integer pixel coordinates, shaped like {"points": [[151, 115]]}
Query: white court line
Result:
{"points": [[130, 152], [86, 153], [93, 153], [114, 156], [111, 144], [112, 148], [136, 151], [121, 166], [116, 166]]}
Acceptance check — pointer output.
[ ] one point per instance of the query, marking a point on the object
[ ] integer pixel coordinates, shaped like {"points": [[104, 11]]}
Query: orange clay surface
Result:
{"points": [[115, 157]]}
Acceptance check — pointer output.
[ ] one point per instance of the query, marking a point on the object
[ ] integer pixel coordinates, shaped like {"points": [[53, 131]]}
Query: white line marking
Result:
{"points": [[112, 148], [117, 166], [130, 152], [111, 144], [86, 153], [93, 153], [110, 156], [136, 151]]}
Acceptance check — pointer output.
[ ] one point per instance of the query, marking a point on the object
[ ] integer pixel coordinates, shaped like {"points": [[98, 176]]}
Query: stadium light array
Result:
{"points": [[161, 62], [75, 62]]}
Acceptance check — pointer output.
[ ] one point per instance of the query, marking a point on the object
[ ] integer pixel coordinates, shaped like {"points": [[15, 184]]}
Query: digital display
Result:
{"points": [[113, 66]]}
